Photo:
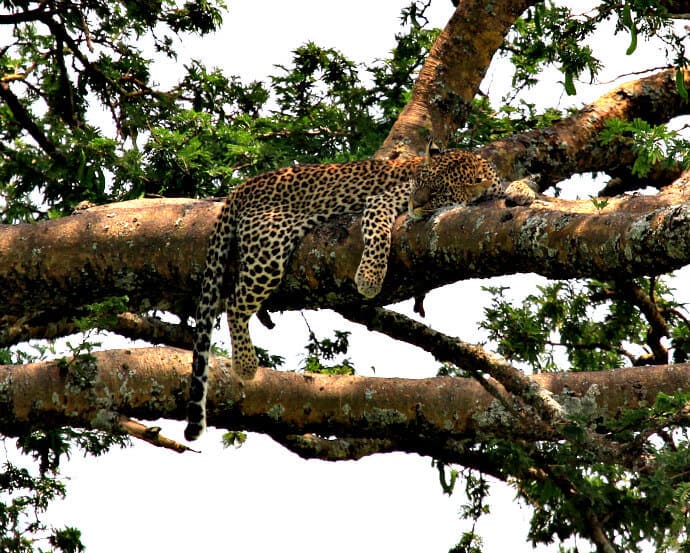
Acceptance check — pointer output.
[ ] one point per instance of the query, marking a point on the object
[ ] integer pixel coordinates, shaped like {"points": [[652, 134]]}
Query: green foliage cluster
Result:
{"points": [[584, 326], [653, 144], [553, 35], [82, 119], [588, 326], [25, 494], [328, 349]]}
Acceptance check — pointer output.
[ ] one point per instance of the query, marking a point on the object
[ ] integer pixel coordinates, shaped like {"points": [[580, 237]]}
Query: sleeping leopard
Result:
{"points": [[266, 216]]}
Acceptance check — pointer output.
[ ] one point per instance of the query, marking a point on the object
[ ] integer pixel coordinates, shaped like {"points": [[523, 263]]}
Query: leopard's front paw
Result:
{"points": [[367, 285], [523, 191]]}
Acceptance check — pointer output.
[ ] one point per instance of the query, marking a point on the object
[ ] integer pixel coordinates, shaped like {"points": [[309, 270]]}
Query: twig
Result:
{"points": [[150, 434]]}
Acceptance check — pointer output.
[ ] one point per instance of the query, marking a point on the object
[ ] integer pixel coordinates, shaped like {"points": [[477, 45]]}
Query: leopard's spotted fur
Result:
{"points": [[266, 216]]}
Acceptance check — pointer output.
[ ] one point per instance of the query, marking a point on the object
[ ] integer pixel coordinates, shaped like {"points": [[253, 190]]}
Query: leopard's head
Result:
{"points": [[449, 178]]}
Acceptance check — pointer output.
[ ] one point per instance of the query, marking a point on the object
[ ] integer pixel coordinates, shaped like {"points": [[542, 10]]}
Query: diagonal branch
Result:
{"points": [[26, 121], [450, 78], [471, 358], [572, 145]]}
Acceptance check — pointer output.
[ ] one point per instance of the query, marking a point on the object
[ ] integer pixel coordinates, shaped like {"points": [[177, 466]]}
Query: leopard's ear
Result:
{"points": [[431, 150]]}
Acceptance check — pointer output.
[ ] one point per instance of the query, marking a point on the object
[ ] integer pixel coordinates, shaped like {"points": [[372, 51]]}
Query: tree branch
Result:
{"points": [[450, 78], [153, 251], [572, 145], [471, 358], [426, 416], [26, 120]]}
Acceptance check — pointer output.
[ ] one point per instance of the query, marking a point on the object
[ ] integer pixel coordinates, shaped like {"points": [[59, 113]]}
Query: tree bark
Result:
{"points": [[450, 77], [425, 416], [153, 252]]}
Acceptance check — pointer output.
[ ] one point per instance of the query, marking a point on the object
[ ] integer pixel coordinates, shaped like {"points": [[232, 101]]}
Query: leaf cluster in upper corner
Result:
{"points": [[551, 35], [83, 118]]}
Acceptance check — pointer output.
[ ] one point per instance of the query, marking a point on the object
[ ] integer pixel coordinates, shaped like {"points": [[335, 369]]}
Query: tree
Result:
{"points": [[600, 421]]}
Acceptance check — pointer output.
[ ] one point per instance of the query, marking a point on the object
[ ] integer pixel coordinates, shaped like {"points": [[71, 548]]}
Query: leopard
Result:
{"points": [[265, 217]]}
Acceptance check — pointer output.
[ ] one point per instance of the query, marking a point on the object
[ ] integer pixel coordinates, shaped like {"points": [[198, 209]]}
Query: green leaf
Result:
{"points": [[569, 85], [633, 41], [627, 16], [680, 84]]}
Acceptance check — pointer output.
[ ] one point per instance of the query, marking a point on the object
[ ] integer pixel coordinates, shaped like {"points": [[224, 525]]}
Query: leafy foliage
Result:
{"points": [[551, 35], [595, 325], [66, 70], [326, 349], [25, 496], [653, 144]]}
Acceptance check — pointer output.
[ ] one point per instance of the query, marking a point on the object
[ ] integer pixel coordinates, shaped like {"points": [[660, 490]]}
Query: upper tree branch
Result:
{"points": [[572, 145], [153, 251], [451, 75], [24, 16], [26, 120]]}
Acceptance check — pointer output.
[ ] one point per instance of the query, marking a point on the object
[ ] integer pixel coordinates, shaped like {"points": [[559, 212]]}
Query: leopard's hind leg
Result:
{"points": [[264, 247]]}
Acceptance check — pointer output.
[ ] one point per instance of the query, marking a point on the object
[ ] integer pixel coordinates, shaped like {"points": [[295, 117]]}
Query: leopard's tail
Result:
{"points": [[210, 305]]}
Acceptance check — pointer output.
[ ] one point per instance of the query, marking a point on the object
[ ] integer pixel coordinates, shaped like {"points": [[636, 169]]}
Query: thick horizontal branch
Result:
{"points": [[425, 415], [153, 252]]}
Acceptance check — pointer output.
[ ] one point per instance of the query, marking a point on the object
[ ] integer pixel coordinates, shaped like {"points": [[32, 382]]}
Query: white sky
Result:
{"points": [[261, 497]]}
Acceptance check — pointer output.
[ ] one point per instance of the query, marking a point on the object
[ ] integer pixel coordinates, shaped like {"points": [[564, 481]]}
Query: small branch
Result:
{"points": [[26, 120], [598, 535], [658, 327], [129, 325], [25, 16], [310, 446], [150, 434], [152, 329]]}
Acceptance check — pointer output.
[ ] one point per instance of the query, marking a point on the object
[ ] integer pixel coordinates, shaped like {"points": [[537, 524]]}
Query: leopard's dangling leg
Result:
{"points": [[377, 221]]}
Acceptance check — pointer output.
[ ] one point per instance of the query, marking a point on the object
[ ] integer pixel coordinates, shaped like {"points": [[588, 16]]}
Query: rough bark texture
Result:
{"points": [[153, 251], [451, 75], [424, 416]]}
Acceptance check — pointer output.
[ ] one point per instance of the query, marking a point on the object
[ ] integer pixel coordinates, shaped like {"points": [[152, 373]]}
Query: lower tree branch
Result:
{"points": [[425, 416], [129, 325], [310, 446]]}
